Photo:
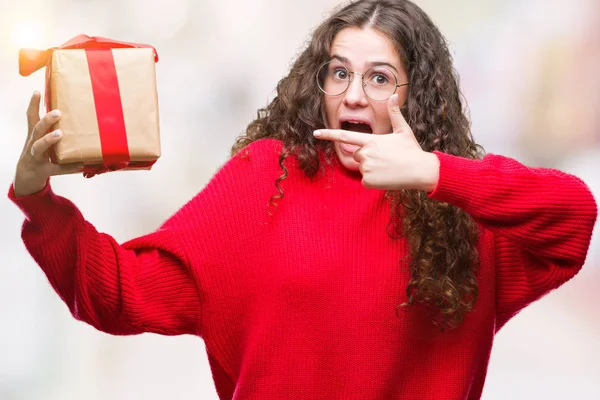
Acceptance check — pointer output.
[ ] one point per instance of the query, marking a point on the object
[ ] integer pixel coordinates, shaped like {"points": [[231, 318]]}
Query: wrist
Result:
{"points": [[22, 189], [431, 172]]}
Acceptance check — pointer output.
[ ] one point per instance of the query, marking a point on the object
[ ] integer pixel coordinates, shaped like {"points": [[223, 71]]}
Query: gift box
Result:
{"points": [[106, 91]]}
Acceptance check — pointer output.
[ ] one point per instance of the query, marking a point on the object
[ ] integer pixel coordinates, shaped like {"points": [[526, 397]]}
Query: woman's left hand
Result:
{"points": [[390, 161]]}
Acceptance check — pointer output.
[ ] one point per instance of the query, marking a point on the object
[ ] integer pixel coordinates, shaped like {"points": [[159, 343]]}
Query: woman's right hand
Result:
{"points": [[34, 166]]}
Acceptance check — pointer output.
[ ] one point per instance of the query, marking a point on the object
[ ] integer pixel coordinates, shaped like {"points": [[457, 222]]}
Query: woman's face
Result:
{"points": [[359, 49]]}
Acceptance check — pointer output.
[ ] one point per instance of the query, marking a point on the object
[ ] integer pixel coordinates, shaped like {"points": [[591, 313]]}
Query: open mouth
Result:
{"points": [[356, 127]]}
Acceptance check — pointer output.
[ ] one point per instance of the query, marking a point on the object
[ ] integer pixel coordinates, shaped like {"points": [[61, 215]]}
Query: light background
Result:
{"points": [[530, 73]]}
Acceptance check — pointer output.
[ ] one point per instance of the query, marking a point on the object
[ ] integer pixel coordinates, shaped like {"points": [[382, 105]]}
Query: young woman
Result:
{"points": [[357, 245]]}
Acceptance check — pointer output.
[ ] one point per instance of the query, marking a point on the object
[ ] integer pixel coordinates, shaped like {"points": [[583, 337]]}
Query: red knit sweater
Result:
{"points": [[300, 303]]}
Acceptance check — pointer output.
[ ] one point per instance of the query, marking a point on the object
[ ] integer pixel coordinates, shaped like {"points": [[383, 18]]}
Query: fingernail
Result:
{"points": [[55, 113], [395, 99], [317, 133], [56, 133]]}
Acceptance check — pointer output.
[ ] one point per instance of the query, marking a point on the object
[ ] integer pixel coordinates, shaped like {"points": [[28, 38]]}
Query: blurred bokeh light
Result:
{"points": [[529, 71]]}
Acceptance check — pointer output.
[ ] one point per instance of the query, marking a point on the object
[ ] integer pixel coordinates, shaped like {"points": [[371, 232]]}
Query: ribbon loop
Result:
{"points": [[31, 60]]}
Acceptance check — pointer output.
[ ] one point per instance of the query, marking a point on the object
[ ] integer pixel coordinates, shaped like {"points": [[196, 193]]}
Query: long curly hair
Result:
{"points": [[442, 238]]}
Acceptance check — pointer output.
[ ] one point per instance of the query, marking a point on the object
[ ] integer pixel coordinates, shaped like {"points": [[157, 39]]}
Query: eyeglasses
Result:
{"points": [[379, 83]]}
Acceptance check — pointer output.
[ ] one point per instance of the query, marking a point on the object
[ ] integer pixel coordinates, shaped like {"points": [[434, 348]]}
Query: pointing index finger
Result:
{"points": [[340, 135]]}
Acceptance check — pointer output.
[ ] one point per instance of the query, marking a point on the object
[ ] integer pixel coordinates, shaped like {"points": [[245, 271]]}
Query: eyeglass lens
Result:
{"points": [[334, 79]]}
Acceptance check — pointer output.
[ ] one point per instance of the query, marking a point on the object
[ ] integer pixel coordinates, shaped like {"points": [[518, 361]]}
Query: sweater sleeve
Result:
{"points": [[148, 284], [542, 220], [144, 285]]}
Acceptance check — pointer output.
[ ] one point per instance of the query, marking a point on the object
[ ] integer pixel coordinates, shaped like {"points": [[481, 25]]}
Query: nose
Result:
{"points": [[355, 95]]}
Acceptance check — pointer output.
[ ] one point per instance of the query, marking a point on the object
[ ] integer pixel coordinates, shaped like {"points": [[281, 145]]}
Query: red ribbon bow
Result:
{"points": [[106, 95]]}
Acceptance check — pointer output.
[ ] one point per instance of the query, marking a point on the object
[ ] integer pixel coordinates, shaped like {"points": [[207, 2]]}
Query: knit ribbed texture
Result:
{"points": [[299, 300]]}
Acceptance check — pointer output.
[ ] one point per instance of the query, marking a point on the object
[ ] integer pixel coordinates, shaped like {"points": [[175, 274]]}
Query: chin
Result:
{"points": [[347, 160]]}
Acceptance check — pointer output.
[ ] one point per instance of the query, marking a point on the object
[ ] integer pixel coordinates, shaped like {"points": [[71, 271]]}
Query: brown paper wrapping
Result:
{"points": [[71, 93]]}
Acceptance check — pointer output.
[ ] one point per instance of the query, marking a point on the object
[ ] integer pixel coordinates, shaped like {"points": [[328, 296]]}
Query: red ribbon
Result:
{"points": [[107, 96], [109, 110]]}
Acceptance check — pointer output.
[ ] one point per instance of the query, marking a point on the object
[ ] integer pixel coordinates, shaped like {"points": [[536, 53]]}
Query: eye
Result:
{"points": [[379, 79], [340, 73]]}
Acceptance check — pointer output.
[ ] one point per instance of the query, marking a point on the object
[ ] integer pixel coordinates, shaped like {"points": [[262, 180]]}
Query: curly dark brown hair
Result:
{"points": [[442, 238]]}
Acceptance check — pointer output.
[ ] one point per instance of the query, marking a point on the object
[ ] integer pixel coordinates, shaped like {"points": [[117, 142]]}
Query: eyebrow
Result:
{"points": [[369, 64]]}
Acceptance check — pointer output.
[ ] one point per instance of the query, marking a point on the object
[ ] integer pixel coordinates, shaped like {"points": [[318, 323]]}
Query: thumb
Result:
{"points": [[33, 111], [399, 124]]}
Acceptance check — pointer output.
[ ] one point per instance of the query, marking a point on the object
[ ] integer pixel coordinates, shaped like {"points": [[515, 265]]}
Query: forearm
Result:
{"points": [[544, 211], [145, 286]]}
